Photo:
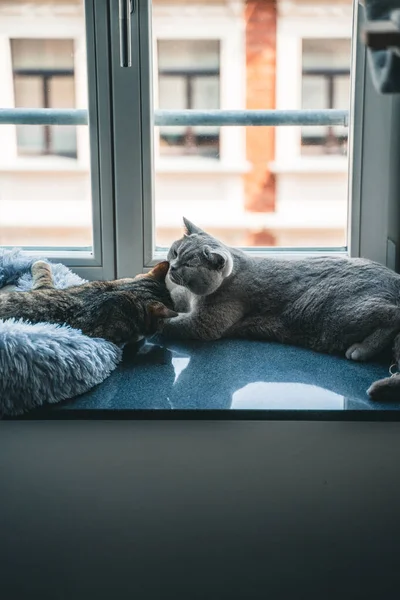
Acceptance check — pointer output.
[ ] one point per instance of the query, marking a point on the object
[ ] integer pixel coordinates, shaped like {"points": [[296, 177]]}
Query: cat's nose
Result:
{"points": [[172, 268]]}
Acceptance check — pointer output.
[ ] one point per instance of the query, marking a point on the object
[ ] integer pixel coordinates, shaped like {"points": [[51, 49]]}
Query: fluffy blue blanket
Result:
{"points": [[45, 363]]}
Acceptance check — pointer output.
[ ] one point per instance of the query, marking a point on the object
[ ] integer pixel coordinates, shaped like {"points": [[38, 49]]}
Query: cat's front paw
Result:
{"points": [[358, 352]]}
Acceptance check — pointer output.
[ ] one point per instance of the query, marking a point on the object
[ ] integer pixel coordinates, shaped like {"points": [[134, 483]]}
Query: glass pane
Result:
{"points": [[188, 78], [325, 85], [61, 93], [314, 95], [45, 183], [31, 139], [188, 54], [42, 53], [314, 92], [205, 96], [28, 91], [173, 96], [252, 186], [29, 94], [323, 53], [341, 99]]}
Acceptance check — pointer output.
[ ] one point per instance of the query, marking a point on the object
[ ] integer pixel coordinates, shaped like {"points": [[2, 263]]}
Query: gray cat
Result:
{"points": [[329, 304]]}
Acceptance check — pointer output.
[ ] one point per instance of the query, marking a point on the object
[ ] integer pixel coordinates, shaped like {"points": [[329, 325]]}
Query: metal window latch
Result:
{"points": [[126, 8]]}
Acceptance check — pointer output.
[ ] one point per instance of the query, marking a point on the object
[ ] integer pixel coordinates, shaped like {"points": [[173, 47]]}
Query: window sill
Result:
{"points": [[50, 213], [309, 166], [37, 165], [193, 165], [321, 216], [269, 381]]}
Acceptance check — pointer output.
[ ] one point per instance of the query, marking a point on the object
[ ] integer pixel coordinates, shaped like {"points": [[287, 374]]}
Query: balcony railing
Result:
{"points": [[47, 116]]}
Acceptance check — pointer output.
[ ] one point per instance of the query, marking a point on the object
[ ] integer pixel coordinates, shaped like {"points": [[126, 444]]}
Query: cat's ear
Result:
{"points": [[216, 259], [160, 271], [190, 227], [160, 311]]}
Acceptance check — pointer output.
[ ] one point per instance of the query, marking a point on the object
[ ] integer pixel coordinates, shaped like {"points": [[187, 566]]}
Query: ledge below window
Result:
{"points": [[335, 165], [195, 164], [231, 379], [45, 164]]}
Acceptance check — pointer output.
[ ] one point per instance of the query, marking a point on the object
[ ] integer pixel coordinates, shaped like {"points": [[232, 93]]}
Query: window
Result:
{"points": [[266, 55], [137, 169], [56, 195], [188, 78], [325, 84], [43, 72]]}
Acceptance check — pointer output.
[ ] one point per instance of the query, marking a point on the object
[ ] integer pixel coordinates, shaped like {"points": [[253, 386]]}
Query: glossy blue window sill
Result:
{"points": [[229, 375]]}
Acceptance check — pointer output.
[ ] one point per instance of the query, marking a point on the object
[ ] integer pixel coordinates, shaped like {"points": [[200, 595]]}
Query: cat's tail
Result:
{"points": [[388, 388], [42, 275]]}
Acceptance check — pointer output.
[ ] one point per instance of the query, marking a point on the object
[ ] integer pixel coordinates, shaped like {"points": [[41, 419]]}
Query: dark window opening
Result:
{"points": [[43, 73], [325, 85], [189, 78]]}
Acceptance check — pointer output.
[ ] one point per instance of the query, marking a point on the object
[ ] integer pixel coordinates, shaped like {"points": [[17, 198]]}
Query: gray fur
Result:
{"points": [[329, 304], [44, 363]]}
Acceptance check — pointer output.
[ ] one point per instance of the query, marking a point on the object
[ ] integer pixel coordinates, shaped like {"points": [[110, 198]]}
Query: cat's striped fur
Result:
{"points": [[120, 311]]}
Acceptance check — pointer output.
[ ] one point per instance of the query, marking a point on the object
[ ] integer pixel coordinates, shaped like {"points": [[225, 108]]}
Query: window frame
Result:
{"points": [[121, 106], [374, 217], [147, 79], [93, 148]]}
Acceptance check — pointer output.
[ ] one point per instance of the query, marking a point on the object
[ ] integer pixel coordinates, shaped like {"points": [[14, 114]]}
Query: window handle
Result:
{"points": [[126, 7]]}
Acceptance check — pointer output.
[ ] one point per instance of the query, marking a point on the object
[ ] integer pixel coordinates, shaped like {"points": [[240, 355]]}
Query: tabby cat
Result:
{"points": [[120, 311], [329, 304]]}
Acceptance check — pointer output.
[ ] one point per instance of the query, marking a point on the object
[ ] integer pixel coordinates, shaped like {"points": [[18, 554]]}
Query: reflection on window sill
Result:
{"points": [[306, 165], [195, 164], [45, 163]]}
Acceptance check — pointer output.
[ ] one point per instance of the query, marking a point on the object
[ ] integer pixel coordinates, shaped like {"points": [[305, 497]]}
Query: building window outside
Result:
{"points": [[325, 84], [43, 74], [189, 78]]}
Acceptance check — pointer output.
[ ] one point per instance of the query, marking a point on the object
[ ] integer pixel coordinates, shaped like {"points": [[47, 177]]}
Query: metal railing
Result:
{"points": [[48, 116]]}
